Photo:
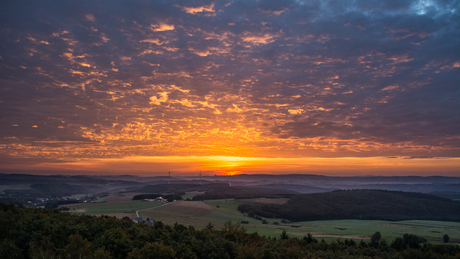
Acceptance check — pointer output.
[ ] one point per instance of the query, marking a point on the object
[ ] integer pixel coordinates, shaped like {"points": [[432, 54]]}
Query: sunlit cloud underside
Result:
{"points": [[324, 83]]}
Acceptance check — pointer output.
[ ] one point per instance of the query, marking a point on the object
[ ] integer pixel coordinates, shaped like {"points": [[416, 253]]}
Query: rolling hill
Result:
{"points": [[360, 204]]}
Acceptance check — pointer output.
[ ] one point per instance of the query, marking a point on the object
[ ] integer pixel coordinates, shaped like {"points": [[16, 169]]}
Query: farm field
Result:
{"points": [[76, 196], [200, 214], [112, 205], [190, 195], [363, 229], [329, 230]]}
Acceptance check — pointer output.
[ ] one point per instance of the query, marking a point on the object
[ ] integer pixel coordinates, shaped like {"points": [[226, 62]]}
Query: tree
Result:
{"points": [[42, 249], [210, 226], [375, 239], [9, 250], [126, 218], [284, 235], [78, 247], [101, 254], [310, 239], [445, 238], [398, 244], [413, 241], [116, 242], [153, 250]]}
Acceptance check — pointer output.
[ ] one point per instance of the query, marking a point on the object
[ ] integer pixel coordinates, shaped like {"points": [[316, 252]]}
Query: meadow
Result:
{"points": [[119, 206], [200, 213]]}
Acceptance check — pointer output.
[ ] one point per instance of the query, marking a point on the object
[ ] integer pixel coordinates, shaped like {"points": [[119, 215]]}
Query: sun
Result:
{"points": [[230, 173]]}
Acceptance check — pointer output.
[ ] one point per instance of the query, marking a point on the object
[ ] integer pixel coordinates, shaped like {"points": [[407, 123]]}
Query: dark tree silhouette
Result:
{"points": [[445, 238]]}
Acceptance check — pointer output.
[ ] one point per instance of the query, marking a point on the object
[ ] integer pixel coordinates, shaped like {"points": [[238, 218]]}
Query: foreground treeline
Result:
{"points": [[49, 233], [359, 204]]}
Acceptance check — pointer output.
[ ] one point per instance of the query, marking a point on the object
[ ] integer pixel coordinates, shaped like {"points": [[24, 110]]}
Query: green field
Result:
{"points": [[190, 195], [333, 229], [111, 205], [329, 230], [363, 229], [76, 196]]}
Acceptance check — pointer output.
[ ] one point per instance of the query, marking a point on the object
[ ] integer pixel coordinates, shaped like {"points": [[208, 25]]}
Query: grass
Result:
{"points": [[103, 199], [431, 230], [329, 230], [127, 206], [76, 196], [190, 195]]}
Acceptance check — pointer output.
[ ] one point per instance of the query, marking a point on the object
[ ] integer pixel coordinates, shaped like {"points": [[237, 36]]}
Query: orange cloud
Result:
{"points": [[154, 100], [162, 27], [199, 9], [257, 39]]}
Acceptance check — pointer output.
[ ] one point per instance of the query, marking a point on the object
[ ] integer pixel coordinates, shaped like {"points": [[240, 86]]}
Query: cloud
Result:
{"points": [[257, 39], [163, 27], [245, 78], [199, 9], [154, 100]]}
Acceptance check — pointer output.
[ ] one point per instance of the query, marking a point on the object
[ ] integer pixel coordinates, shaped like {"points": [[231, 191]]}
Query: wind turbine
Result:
{"points": [[230, 181], [215, 178], [200, 177], [169, 179]]}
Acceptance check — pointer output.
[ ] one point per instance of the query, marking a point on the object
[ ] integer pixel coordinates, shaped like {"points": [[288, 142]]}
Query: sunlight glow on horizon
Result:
{"points": [[225, 165]]}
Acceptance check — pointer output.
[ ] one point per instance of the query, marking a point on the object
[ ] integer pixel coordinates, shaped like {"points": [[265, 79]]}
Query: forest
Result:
{"points": [[359, 204], [50, 233]]}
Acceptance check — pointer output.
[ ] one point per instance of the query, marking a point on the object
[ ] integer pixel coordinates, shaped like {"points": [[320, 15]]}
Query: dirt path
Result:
{"points": [[137, 211]]}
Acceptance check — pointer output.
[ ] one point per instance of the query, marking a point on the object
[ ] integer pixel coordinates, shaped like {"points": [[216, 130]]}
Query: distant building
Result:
{"points": [[137, 220], [150, 222]]}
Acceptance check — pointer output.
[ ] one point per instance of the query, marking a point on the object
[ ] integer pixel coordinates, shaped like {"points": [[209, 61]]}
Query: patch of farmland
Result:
{"points": [[184, 209], [190, 195], [105, 208]]}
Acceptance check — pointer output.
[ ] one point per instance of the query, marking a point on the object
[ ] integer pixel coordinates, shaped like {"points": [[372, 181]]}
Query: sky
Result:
{"points": [[352, 87]]}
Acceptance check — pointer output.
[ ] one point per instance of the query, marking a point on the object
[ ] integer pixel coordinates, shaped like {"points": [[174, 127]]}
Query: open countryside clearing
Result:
{"points": [[199, 214], [182, 208], [111, 205]]}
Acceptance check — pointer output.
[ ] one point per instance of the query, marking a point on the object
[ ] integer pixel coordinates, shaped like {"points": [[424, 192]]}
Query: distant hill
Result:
{"points": [[58, 189], [360, 204], [214, 191], [447, 194], [241, 192], [172, 188], [300, 188]]}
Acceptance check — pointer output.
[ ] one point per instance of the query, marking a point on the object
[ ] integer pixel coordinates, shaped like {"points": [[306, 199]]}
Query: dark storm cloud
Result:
{"points": [[111, 77]]}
